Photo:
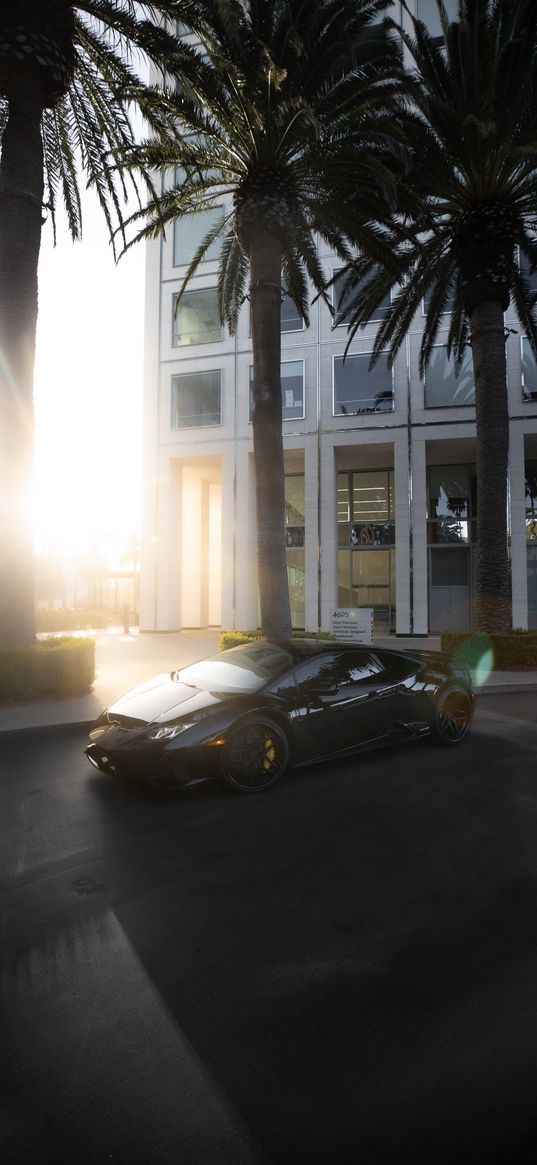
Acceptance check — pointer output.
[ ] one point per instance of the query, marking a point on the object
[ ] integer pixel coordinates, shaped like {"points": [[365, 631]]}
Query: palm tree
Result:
{"points": [[289, 116], [469, 234], [68, 86]]}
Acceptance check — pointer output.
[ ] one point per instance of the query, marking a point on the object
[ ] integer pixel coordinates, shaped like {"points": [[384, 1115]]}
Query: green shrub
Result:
{"points": [[519, 649], [236, 638], [80, 619], [62, 665]]}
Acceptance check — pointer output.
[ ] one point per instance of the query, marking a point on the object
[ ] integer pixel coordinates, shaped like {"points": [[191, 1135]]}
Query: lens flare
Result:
{"points": [[477, 653]]}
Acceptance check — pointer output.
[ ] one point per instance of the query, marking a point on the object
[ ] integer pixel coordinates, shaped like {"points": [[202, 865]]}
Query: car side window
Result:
{"points": [[361, 667], [340, 669]]}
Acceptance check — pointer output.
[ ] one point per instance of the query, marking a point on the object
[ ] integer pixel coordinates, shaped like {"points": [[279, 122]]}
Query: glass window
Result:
{"points": [[294, 500], [443, 386], [452, 502], [427, 11], [361, 389], [294, 533], [240, 669], [291, 319], [365, 509], [190, 230], [195, 318], [529, 371], [372, 496], [449, 491], [342, 669], [343, 510], [292, 377], [196, 399], [343, 299]]}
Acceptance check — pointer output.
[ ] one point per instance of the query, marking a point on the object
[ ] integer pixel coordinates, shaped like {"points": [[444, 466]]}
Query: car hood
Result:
{"points": [[161, 699]]}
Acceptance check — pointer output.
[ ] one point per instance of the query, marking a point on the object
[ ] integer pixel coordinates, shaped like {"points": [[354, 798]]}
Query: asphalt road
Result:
{"points": [[341, 970]]}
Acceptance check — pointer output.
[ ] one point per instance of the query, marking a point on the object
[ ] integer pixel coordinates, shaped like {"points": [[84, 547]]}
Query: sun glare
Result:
{"points": [[88, 390]]}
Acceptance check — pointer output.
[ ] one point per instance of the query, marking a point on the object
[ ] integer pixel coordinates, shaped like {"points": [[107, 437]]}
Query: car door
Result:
{"points": [[344, 698]]}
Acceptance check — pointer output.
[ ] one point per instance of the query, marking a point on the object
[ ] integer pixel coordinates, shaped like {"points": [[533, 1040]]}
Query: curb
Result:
{"points": [[45, 729]]}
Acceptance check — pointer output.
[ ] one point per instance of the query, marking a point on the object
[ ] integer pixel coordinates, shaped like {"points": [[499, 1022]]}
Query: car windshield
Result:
{"points": [[241, 669]]}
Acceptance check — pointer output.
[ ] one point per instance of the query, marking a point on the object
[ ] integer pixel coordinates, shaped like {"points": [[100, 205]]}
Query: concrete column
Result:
{"points": [[311, 547], [167, 607], [329, 575], [419, 534], [246, 605], [402, 533]]}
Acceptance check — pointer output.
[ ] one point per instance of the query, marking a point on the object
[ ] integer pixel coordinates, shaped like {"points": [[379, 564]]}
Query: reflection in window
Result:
{"points": [[529, 371], [443, 387], [196, 399], [190, 230], [342, 301], [361, 389], [452, 504], [292, 377], [195, 318]]}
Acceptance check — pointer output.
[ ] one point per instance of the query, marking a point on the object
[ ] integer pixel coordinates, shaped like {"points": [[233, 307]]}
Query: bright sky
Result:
{"points": [[88, 391]]}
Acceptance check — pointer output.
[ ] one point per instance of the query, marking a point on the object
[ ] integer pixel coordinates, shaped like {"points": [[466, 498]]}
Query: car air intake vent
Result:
{"points": [[124, 721]]}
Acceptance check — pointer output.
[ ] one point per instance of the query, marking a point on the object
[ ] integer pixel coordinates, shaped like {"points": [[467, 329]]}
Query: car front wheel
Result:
{"points": [[452, 716], [255, 755]]}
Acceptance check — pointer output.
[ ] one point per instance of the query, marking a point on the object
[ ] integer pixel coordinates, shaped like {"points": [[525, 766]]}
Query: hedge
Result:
{"points": [[80, 619], [518, 649], [236, 638], [62, 665]]}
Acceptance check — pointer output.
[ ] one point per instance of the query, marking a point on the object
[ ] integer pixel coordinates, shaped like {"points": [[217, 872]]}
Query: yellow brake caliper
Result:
{"points": [[270, 754]]}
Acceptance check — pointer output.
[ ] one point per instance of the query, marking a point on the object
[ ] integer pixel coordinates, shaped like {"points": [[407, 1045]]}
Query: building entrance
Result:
{"points": [[366, 536]]}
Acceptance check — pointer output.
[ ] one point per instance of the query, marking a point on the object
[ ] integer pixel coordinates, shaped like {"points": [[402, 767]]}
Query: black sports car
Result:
{"points": [[247, 714]]}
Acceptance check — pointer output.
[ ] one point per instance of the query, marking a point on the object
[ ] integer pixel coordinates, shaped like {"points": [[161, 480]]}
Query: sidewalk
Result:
{"points": [[123, 661]]}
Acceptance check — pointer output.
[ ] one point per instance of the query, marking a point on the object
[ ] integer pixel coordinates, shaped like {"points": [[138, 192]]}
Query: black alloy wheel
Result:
{"points": [[452, 716], [255, 755]]}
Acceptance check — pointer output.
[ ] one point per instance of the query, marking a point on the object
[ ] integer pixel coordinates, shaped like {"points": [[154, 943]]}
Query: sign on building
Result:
{"points": [[353, 624]]}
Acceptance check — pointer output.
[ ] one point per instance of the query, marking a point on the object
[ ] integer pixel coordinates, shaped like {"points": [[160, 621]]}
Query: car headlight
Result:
{"points": [[168, 731]]}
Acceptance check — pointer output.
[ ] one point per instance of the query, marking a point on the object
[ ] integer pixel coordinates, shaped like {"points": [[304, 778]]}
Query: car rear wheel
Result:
{"points": [[255, 755], [452, 716]]}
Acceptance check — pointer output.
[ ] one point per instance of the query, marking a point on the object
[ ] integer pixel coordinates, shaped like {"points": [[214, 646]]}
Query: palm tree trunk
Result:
{"points": [[493, 606], [21, 198], [265, 301]]}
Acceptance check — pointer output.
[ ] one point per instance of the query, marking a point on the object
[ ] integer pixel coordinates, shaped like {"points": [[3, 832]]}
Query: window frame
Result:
{"points": [[183, 218], [361, 412], [176, 376], [444, 405], [176, 343]]}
